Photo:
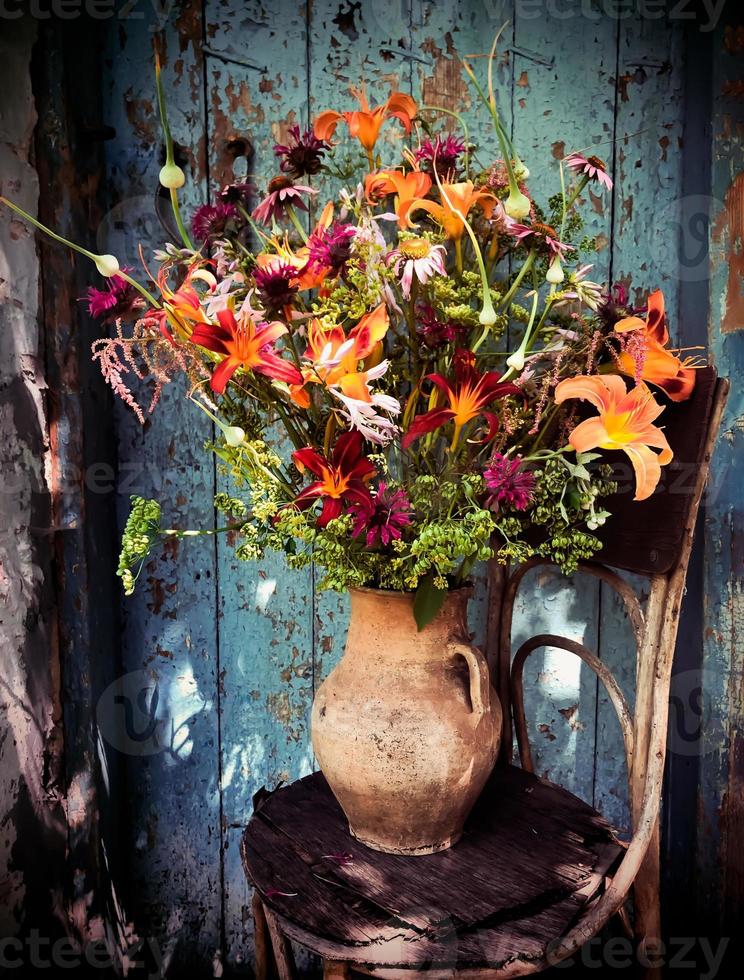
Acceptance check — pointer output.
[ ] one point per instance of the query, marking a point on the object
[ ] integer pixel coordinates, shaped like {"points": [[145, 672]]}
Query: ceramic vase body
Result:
{"points": [[406, 728]]}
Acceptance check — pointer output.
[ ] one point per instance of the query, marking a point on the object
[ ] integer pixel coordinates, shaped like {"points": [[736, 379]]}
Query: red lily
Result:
{"points": [[467, 399], [248, 345], [342, 480]]}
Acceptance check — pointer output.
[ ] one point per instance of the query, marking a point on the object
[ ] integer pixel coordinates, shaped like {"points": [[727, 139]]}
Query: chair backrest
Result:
{"points": [[652, 538], [647, 536]]}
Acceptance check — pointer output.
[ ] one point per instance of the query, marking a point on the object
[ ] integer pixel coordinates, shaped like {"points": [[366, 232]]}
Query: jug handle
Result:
{"points": [[480, 681]]}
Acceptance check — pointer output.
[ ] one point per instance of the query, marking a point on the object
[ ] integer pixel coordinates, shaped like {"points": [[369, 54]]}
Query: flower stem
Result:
{"points": [[294, 218]]}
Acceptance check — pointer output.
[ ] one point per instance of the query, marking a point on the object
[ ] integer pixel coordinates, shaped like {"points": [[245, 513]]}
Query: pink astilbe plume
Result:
{"points": [[146, 355]]}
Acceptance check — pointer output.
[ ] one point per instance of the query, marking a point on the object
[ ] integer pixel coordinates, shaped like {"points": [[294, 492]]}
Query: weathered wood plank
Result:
{"points": [[480, 896], [721, 793], [564, 101], [265, 626], [169, 640]]}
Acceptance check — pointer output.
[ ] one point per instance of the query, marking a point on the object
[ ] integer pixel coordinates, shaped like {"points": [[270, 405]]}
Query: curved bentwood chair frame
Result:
{"points": [[652, 539]]}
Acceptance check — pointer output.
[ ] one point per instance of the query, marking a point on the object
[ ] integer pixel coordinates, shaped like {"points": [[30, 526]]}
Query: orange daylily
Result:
{"points": [[182, 308], [247, 345], [308, 277], [365, 123], [659, 366], [468, 397], [334, 357], [457, 201], [625, 422], [407, 188]]}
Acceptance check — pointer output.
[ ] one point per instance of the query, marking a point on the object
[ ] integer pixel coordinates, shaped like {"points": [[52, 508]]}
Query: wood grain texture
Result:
{"points": [[173, 838], [721, 750], [468, 905]]}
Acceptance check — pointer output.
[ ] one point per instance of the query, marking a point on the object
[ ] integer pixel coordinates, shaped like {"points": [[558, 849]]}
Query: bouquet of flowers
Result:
{"points": [[405, 380]]}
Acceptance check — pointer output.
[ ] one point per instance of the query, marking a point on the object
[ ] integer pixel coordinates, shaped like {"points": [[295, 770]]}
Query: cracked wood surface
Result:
{"points": [[480, 903]]}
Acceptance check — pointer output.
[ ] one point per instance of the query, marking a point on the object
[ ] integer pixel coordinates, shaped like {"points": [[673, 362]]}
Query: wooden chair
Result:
{"points": [[538, 872]]}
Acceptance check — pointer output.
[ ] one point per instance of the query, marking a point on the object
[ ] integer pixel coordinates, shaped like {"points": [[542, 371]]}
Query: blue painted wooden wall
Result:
{"points": [[235, 650]]}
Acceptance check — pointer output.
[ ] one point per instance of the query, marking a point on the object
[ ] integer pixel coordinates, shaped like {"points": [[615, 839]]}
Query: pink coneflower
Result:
{"points": [[276, 284], [282, 194], [509, 484], [540, 235], [591, 166], [116, 300], [330, 248], [303, 154], [433, 331], [444, 152], [418, 257], [211, 220], [383, 517]]}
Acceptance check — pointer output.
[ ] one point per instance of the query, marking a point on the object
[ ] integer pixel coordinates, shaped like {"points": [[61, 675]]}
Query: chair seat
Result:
{"points": [[531, 857]]}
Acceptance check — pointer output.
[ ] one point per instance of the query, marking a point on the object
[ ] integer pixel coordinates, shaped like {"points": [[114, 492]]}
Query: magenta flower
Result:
{"points": [[210, 221], [303, 154], [383, 517], [238, 194], [614, 306], [282, 194], [444, 152], [590, 166], [330, 248], [509, 484], [117, 299], [433, 331], [276, 285]]}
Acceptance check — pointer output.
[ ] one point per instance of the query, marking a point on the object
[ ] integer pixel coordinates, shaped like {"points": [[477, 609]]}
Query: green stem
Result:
{"points": [[179, 220], [509, 295], [293, 217]]}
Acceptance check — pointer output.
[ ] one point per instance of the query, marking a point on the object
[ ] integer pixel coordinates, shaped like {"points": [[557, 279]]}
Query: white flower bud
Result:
{"points": [[516, 205], [555, 272], [107, 265], [234, 435], [172, 177]]}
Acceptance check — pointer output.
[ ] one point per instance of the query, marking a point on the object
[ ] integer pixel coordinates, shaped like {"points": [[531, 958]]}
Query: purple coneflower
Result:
{"points": [[590, 166], [238, 194], [442, 152], [303, 154], [418, 257], [282, 194], [509, 484], [210, 220], [276, 284], [116, 300], [383, 517], [539, 235], [330, 248], [433, 331]]}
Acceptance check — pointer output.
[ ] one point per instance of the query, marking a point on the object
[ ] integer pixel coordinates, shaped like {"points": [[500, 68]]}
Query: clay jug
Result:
{"points": [[406, 728]]}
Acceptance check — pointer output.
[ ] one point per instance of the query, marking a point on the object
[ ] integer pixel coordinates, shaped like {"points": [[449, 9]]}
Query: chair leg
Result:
{"points": [[281, 947], [647, 924], [336, 970], [265, 963]]}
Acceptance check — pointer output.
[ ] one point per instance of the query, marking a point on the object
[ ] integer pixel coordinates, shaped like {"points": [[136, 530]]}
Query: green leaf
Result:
{"points": [[427, 602]]}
